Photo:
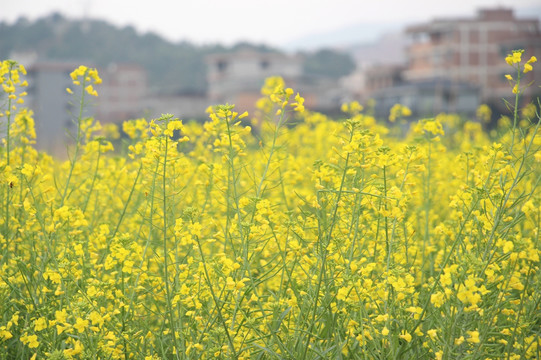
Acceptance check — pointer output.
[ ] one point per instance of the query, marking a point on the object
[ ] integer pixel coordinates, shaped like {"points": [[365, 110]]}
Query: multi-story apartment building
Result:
{"points": [[53, 107], [122, 93], [473, 50], [121, 97], [237, 77]]}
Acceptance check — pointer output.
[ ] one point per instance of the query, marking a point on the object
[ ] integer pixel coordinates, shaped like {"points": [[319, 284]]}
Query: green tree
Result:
{"points": [[328, 63]]}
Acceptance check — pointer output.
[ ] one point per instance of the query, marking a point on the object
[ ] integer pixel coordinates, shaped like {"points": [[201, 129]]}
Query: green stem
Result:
{"points": [[93, 178], [426, 238], [324, 252], [165, 253], [215, 299], [9, 185], [77, 141], [515, 110]]}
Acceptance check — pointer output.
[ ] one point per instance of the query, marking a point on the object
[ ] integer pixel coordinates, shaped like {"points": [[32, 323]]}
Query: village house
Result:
{"points": [[473, 50]]}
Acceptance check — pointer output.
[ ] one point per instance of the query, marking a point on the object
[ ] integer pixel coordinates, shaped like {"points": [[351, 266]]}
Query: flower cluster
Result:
{"points": [[323, 239], [276, 94], [514, 59], [399, 111], [87, 77], [10, 79]]}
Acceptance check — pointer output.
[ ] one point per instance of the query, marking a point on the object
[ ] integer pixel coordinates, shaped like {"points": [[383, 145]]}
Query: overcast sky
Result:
{"points": [[275, 22]]}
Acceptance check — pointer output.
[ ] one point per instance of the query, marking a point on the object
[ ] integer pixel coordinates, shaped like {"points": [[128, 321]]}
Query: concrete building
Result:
{"points": [[473, 50], [121, 97], [383, 77], [237, 78], [427, 98], [122, 94], [185, 106], [54, 108]]}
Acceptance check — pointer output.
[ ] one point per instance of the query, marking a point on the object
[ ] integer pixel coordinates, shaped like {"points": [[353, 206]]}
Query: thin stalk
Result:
{"points": [[8, 186], [515, 110], [426, 237], [215, 299], [387, 240], [324, 252], [77, 142], [93, 178], [165, 253], [232, 186]]}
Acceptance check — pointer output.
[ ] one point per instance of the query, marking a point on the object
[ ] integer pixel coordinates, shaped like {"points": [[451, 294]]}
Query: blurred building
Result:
{"points": [[425, 98], [186, 106], [121, 97], [454, 65], [122, 93], [473, 50], [237, 77], [53, 107], [383, 77]]}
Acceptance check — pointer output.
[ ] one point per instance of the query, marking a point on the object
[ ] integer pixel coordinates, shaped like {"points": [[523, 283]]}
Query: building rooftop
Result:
{"points": [[483, 15]]}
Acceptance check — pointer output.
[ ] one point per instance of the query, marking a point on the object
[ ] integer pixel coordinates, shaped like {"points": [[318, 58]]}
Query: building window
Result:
{"points": [[221, 65]]}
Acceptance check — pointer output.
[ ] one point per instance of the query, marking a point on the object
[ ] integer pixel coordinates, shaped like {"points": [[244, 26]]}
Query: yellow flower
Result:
{"points": [[81, 325], [515, 89], [474, 337], [432, 126], [406, 111], [514, 57], [484, 113], [5, 334], [77, 349], [61, 316], [508, 247], [40, 324], [230, 283], [90, 90], [405, 335], [299, 104], [30, 340], [342, 293], [96, 318], [517, 56]]}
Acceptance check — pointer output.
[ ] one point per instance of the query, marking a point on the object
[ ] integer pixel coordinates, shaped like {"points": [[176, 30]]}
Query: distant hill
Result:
{"points": [[172, 67], [362, 33]]}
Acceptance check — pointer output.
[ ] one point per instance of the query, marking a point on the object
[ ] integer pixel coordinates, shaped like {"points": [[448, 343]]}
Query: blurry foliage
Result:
{"points": [[173, 66], [328, 63]]}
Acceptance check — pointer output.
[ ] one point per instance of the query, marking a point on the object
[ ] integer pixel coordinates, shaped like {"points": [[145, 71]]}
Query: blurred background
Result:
{"points": [[161, 57]]}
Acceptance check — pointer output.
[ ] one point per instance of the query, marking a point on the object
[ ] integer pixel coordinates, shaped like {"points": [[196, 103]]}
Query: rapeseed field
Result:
{"points": [[282, 234]]}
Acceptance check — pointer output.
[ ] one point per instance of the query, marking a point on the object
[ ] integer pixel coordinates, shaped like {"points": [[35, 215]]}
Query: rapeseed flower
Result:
{"points": [[30, 340], [240, 244]]}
